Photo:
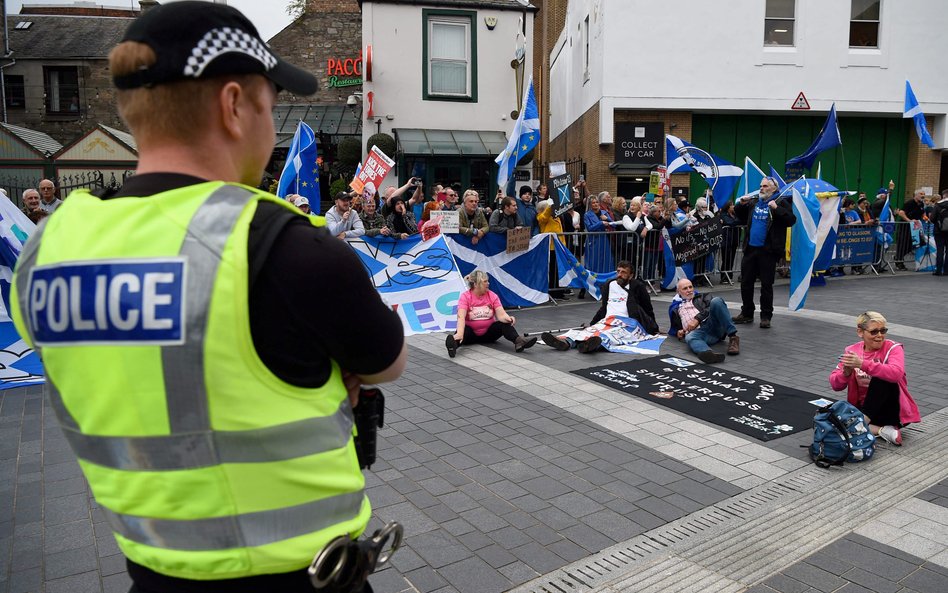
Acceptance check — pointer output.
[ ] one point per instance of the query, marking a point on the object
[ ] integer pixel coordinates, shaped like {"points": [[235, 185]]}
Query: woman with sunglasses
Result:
{"points": [[873, 371]]}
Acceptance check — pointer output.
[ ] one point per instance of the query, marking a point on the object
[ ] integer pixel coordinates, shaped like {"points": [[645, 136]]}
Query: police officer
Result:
{"points": [[198, 358]]}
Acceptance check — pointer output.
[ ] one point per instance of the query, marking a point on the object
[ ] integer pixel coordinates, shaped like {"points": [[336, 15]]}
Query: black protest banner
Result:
{"points": [[748, 405], [698, 241], [563, 188]]}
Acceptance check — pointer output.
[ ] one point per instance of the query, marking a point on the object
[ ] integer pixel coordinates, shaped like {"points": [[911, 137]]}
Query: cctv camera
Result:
{"points": [[352, 101]]}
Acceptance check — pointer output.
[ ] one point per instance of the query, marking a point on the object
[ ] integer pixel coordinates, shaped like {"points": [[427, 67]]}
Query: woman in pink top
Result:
{"points": [[482, 319], [873, 372]]}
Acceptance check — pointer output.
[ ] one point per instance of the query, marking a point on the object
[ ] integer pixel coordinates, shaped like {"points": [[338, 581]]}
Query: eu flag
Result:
{"points": [[301, 172], [524, 137]]}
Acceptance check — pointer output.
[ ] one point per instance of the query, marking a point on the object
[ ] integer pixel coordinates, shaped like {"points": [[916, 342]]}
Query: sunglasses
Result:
{"points": [[876, 332]]}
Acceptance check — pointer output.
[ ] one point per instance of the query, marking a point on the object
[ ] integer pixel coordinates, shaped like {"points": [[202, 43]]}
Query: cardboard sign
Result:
{"points": [[563, 190], [518, 240], [376, 167], [557, 168], [749, 405], [698, 241], [447, 220]]}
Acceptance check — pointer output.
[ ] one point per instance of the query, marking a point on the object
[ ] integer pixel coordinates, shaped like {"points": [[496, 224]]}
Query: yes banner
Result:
{"points": [[418, 279]]}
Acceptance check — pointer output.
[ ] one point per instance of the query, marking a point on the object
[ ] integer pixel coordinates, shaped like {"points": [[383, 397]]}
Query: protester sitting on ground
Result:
{"points": [[471, 220], [625, 296], [341, 220], [873, 373], [482, 319], [505, 218], [401, 221], [373, 222], [702, 320], [303, 204]]}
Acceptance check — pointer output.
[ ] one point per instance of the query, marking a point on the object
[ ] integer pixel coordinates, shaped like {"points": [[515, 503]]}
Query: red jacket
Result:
{"points": [[891, 368]]}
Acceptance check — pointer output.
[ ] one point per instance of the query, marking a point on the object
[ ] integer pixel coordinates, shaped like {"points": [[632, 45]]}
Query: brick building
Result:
{"points": [[623, 73]]}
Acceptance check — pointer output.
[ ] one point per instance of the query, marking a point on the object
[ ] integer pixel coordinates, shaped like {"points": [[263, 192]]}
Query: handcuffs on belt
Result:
{"points": [[344, 565]]}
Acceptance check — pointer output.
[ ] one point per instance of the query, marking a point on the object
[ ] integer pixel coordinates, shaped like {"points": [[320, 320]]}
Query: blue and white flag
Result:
{"points": [[827, 138], [781, 184], [914, 111], [826, 231], [674, 273], [806, 207], [886, 225], [301, 172], [19, 365], [924, 240], [623, 335], [524, 137], [720, 175], [749, 183], [520, 279], [573, 274], [418, 279]]}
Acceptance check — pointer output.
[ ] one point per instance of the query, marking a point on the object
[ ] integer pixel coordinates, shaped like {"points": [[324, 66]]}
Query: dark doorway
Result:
{"points": [[629, 187]]}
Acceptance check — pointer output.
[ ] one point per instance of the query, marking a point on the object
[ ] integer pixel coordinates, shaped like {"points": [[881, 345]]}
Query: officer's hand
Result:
{"points": [[352, 383]]}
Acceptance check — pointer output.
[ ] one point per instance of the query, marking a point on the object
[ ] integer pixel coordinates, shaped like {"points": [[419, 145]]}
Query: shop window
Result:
{"points": [[779, 20], [14, 92], [450, 50], [62, 89], [864, 23]]}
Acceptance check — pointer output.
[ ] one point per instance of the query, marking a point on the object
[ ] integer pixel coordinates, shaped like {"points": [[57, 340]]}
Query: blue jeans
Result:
{"points": [[715, 328]]}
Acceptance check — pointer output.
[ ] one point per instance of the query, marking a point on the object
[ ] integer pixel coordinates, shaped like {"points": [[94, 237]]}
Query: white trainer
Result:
{"points": [[892, 435]]}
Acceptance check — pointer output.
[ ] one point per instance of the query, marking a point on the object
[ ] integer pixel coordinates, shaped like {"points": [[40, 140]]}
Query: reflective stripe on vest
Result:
{"points": [[236, 531]]}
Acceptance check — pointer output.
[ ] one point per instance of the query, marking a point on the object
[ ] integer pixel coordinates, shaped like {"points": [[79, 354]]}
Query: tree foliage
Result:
{"points": [[296, 8], [385, 143]]}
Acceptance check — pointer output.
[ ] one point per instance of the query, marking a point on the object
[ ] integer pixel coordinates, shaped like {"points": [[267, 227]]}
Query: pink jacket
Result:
{"points": [[892, 369]]}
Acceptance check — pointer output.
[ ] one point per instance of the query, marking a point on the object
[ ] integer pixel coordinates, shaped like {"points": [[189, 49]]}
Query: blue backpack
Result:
{"points": [[840, 434]]}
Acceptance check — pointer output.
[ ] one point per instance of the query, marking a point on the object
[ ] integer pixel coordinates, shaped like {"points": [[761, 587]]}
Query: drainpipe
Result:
{"points": [[6, 56]]}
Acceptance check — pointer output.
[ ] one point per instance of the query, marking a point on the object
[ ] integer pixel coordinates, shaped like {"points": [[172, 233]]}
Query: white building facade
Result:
{"points": [[725, 76], [438, 77]]}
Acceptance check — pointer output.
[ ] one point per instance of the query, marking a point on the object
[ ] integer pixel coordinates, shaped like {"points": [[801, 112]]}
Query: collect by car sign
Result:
{"points": [[639, 143]]}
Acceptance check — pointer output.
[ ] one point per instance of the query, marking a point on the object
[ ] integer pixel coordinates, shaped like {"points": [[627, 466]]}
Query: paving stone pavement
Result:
{"points": [[504, 468]]}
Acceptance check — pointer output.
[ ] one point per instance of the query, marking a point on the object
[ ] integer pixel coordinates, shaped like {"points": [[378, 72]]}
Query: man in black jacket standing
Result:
{"points": [[767, 218]]}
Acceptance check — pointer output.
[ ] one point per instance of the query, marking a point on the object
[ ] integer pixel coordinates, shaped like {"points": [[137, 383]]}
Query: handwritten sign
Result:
{"points": [[447, 220], [749, 405], [698, 241], [376, 167], [518, 240]]}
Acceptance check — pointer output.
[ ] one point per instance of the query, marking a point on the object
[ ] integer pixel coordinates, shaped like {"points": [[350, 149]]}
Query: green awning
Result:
{"points": [[333, 119], [415, 141]]}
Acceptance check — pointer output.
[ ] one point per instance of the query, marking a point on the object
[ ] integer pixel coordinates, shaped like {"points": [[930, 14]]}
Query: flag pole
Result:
{"points": [[845, 175]]}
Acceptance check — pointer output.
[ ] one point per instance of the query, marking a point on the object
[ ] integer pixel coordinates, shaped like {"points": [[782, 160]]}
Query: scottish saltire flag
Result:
{"points": [[673, 273], [519, 279], [827, 138], [922, 236], [19, 365], [573, 274], [749, 183], [524, 137], [826, 231], [720, 175], [886, 226], [619, 334], [301, 172], [781, 184], [912, 110], [418, 279], [806, 207]]}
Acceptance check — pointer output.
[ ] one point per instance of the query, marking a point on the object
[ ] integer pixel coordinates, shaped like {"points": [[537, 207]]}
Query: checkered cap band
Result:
{"points": [[226, 40]]}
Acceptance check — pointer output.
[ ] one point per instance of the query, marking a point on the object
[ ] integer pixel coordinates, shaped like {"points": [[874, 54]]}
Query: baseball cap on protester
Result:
{"points": [[344, 196], [194, 40], [301, 201]]}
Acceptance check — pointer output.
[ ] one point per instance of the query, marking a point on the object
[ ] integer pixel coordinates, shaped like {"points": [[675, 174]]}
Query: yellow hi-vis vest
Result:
{"points": [[207, 465]]}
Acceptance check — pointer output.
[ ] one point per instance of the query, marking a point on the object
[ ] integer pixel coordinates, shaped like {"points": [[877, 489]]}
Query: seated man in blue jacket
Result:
{"points": [[702, 320]]}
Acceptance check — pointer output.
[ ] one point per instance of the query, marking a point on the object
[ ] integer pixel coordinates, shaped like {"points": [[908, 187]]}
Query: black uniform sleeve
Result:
{"points": [[312, 301]]}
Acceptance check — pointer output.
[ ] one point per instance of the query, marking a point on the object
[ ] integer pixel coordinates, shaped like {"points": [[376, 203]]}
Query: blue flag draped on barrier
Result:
{"points": [[519, 279], [524, 137], [806, 207], [573, 274], [925, 251], [418, 279], [914, 111], [886, 225], [301, 173], [19, 365], [827, 138], [720, 175]]}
